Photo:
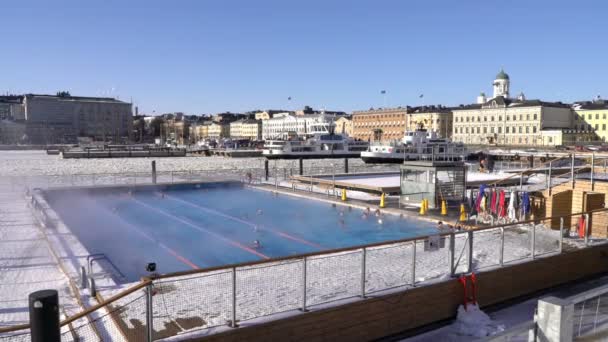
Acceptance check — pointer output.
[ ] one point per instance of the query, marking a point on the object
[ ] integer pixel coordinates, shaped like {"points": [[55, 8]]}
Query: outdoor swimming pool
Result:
{"points": [[186, 227]]}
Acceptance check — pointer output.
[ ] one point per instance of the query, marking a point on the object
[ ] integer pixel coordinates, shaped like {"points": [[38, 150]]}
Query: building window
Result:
{"points": [[500, 118], [499, 130], [597, 127], [527, 116], [521, 117], [485, 130], [520, 140], [520, 130], [589, 116], [604, 116], [478, 130], [550, 139], [485, 118], [597, 116], [467, 119], [506, 129], [467, 130], [514, 117], [507, 118], [603, 127], [527, 130], [491, 129], [534, 129], [535, 116], [492, 118], [478, 119]]}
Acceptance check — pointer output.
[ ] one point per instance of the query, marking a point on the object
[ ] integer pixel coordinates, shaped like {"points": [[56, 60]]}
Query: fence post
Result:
{"points": [[561, 234], [345, 165], [452, 254], [572, 169], [414, 263], [83, 278], [586, 229], [154, 172], [363, 271], [592, 167], [533, 241], [44, 316], [470, 252], [149, 314], [301, 166], [521, 181], [549, 178], [266, 169], [304, 281], [501, 257], [233, 322]]}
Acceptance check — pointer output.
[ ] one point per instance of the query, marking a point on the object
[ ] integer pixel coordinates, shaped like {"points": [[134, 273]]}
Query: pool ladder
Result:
{"points": [[100, 256]]}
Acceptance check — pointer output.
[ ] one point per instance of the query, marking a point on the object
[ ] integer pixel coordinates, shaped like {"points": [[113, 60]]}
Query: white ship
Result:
{"points": [[321, 143], [416, 145]]}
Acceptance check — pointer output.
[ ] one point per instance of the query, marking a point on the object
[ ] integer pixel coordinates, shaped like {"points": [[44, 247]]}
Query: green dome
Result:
{"points": [[502, 75]]}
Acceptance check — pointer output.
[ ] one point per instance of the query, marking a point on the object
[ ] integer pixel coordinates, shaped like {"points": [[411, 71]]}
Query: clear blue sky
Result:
{"points": [[208, 56]]}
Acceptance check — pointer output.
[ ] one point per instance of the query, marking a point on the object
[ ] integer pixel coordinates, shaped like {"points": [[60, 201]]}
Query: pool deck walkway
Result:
{"points": [[26, 262]]}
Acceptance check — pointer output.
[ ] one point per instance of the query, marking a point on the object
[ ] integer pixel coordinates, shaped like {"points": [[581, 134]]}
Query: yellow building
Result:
{"points": [[344, 125], [219, 130], [246, 129], [432, 118], [379, 124], [199, 132], [592, 116]]}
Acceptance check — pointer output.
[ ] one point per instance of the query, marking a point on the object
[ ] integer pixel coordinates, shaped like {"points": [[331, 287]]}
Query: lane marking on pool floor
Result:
{"points": [[160, 244], [204, 230], [251, 224]]}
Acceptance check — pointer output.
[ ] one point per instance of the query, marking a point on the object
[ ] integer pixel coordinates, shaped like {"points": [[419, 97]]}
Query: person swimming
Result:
{"points": [[364, 216], [259, 212], [377, 213], [401, 216], [256, 244], [367, 210], [341, 213], [440, 225]]}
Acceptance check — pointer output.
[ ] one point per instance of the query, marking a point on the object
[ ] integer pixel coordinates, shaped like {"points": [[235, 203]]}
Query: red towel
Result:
{"points": [[502, 208], [493, 202]]}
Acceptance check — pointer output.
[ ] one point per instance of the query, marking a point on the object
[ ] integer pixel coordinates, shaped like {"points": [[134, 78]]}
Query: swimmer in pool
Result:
{"points": [[440, 225], [256, 244], [364, 216], [341, 213], [401, 216], [350, 208], [377, 213], [259, 212]]}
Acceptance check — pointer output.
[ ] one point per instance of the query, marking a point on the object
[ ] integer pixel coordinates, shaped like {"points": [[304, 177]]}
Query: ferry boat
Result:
{"points": [[322, 143], [415, 145]]}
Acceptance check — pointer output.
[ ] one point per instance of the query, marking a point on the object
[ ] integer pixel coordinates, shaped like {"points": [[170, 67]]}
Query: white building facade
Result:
{"points": [[506, 121], [282, 125]]}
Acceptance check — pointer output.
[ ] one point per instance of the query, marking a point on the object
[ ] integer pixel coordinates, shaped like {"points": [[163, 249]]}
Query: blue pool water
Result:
{"points": [[214, 224]]}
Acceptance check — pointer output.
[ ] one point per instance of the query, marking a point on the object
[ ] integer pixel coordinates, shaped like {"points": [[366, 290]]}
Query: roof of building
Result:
{"points": [[430, 109], [247, 121], [75, 98], [590, 105], [11, 99], [502, 75], [501, 101]]}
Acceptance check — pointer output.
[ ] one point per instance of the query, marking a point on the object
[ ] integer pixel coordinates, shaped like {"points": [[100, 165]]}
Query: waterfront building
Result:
{"points": [[511, 121], [286, 124], [219, 130], [269, 114], [592, 117], [344, 125], [199, 131], [175, 131], [379, 124], [63, 118], [246, 129], [432, 118]]}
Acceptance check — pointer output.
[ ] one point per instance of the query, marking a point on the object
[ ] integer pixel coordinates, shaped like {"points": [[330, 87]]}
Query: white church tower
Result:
{"points": [[501, 84]]}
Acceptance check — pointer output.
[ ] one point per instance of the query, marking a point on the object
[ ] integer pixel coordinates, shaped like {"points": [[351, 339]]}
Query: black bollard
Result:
{"points": [[530, 161], [44, 316], [301, 166], [266, 169], [345, 165], [154, 172]]}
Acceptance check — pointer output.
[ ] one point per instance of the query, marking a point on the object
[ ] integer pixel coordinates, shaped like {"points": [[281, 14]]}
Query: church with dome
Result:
{"points": [[503, 120]]}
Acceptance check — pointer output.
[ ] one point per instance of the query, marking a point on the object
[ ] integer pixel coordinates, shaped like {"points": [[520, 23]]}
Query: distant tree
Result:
{"points": [[63, 93]]}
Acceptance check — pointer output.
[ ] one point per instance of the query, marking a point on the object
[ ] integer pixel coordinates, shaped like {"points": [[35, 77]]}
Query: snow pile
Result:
{"points": [[475, 323]]}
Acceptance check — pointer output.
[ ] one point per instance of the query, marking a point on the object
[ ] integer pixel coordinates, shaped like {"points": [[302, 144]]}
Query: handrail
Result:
{"points": [[358, 247], [143, 283]]}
